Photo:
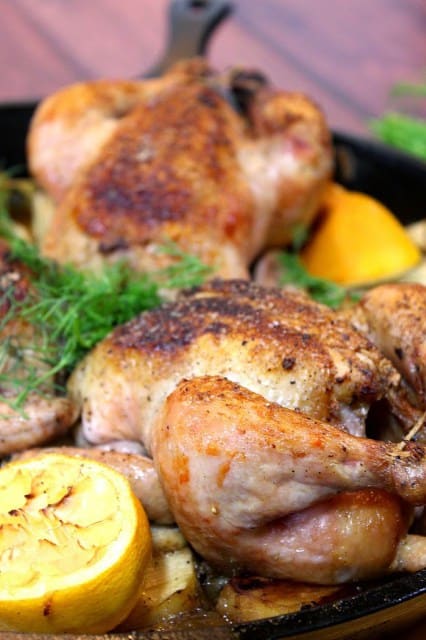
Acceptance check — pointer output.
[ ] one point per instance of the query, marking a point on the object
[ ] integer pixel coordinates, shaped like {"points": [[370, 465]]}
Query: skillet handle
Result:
{"points": [[191, 23]]}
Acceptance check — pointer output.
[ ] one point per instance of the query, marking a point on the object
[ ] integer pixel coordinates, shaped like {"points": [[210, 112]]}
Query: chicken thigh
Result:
{"points": [[280, 344], [258, 488], [134, 166]]}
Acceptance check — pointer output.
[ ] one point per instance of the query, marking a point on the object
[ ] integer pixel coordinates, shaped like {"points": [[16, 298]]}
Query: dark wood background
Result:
{"points": [[346, 54]]}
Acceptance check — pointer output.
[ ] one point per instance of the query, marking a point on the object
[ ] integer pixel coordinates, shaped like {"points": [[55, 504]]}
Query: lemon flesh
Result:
{"points": [[358, 241], [74, 543]]}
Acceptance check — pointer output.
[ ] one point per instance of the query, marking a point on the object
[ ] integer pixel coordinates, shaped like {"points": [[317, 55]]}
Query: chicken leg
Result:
{"points": [[260, 488]]}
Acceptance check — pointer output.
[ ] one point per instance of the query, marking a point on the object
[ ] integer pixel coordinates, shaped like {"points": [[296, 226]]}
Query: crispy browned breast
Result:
{"points": [[70, 126], [282, 345], [173, 160]]}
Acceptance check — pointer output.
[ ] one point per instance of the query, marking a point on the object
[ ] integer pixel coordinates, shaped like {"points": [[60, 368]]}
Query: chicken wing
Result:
{"points": [[258, 488], [278, 343], [134, 166], [393, 316]]}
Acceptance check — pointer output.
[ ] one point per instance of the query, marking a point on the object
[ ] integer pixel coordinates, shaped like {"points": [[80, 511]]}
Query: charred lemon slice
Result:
{"points": [[74, 543], [358, 241]]}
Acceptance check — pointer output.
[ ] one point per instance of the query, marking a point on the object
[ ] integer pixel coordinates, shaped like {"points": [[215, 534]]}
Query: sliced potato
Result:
{"points": [[170, 587], [167, 538], [245, 599], [417, 233], [418, 274]]}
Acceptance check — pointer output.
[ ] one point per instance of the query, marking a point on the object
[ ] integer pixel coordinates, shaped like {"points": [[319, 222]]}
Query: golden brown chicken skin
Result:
{"points": [[70, 126], [393, 316], [183, 165], [280, 344]]}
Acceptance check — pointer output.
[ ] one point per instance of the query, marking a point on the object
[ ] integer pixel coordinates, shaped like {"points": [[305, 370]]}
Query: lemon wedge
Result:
{"points": [[74, 544], [358, 241]]}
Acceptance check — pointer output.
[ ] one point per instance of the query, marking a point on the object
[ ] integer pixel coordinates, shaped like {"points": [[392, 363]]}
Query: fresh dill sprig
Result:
{"points": [[293, 272], [321, 290], [188, 271], [70, 311], [401, 130]]}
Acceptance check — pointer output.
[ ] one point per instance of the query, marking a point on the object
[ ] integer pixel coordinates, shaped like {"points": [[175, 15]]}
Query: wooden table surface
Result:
{"points": [[345, 54]]}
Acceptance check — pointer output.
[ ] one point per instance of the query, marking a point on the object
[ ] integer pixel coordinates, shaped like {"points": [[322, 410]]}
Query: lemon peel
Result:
{"points": [[74, 544]]}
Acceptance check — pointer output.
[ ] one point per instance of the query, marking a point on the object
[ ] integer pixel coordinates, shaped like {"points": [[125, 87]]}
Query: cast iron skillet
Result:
{"points": [[398, 181]]}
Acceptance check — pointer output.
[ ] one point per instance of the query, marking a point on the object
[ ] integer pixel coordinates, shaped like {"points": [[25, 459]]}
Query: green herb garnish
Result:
{"points": [[321, 290], [401, 130], [71, 311], [293, 272]]}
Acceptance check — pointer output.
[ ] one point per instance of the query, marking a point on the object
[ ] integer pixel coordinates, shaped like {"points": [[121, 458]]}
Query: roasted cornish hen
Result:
{"points": [[223, 166]]}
